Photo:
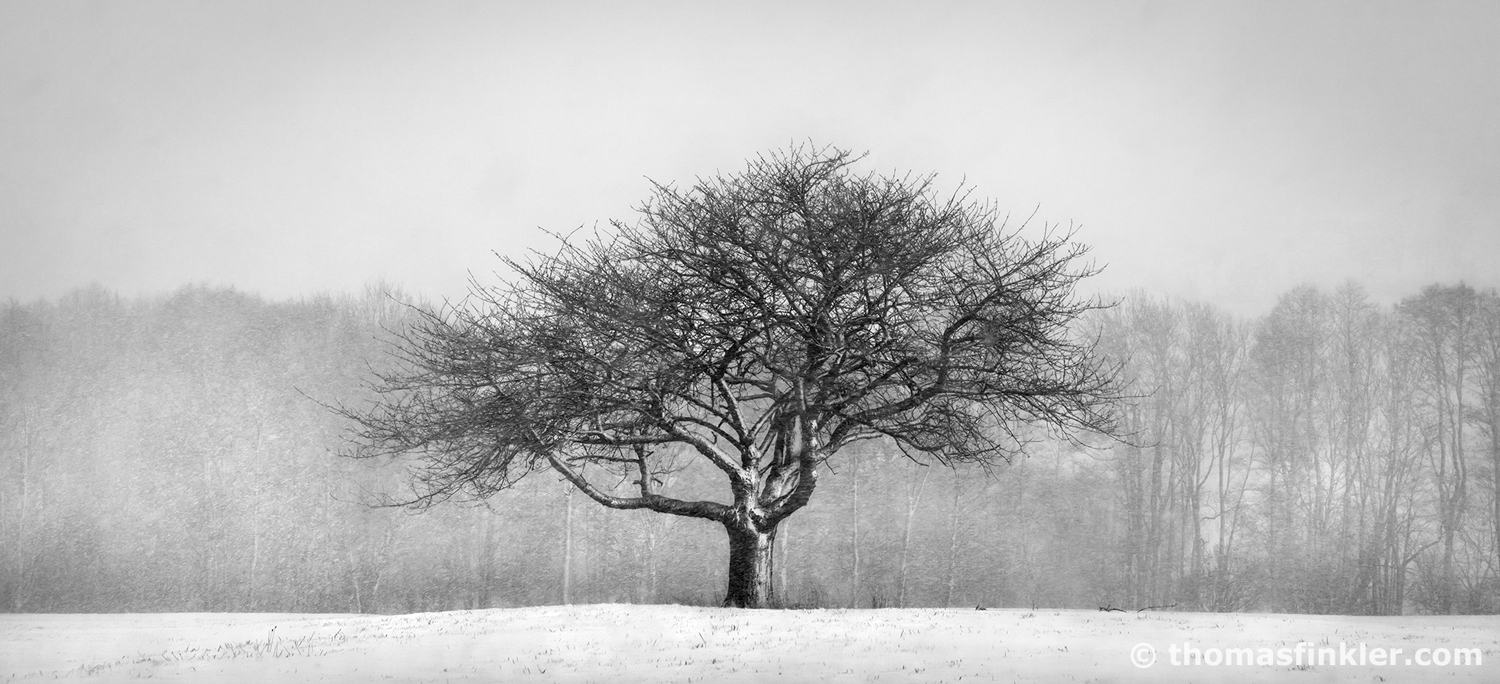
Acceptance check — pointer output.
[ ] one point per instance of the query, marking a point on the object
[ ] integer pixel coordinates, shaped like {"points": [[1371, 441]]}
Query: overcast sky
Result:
{"points": [[1221, 152]]}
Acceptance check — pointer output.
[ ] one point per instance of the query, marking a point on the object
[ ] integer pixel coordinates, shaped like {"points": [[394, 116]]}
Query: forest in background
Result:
{"points": [[1333, 456]]}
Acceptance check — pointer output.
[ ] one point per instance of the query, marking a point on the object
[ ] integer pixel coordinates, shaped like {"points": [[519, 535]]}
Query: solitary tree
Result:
{"points": [[760, 322]]}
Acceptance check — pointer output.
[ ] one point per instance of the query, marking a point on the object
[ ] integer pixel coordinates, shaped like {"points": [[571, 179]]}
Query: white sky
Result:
{"points": [[1223, 152]]}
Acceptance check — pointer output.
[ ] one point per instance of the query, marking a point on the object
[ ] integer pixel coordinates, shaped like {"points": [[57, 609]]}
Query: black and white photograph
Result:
{"points": [[679, 342]]}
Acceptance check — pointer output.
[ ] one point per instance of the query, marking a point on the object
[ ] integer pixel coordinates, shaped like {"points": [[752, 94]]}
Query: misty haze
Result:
{"points": [[430, 343]]}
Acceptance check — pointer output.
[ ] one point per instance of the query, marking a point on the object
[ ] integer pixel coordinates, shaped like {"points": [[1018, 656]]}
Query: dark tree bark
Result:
{"points": [[758, 323], [749, 568]]}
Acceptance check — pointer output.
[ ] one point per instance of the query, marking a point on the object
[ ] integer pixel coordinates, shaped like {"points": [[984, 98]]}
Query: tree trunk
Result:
{"points": [[953, 543], [913, 496], [254, 555], [1495, 461], [648, 566], [1490, 381], [783, 534], [749, 568], [359, 606], [854, 538], [567, 560]]}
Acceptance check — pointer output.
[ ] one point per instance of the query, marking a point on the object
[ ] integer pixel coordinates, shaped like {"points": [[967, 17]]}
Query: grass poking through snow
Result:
{"points": [[622, 644]]}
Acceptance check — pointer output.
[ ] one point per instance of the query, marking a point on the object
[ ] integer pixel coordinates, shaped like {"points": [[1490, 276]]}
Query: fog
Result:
{"points": [[1334, 456]]}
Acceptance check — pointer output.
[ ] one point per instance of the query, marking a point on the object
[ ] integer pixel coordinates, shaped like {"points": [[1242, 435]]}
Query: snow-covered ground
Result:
{"points": [[622, 643]]}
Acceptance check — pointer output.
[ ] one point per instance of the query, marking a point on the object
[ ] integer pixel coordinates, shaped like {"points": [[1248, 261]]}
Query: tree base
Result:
{"points": [[749, 569]]}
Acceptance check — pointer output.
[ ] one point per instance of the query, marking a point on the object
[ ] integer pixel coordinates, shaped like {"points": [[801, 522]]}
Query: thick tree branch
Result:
{"points": [[707, 510]]}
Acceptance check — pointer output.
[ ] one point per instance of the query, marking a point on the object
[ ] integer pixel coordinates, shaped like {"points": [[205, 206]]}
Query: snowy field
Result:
{"points": [[623, 644]]}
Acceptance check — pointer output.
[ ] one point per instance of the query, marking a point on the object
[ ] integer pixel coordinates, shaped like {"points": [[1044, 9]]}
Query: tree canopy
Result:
{"points": [[759, 321]]}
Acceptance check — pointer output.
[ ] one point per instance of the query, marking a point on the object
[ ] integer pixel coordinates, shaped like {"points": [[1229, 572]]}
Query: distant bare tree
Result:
{"points": [[1444, 321], [1487, 352], [759, 323]]}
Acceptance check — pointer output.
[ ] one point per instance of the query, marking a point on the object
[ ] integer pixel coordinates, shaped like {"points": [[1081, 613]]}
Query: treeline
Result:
{"points": [[175, 454], [1333, 457]]}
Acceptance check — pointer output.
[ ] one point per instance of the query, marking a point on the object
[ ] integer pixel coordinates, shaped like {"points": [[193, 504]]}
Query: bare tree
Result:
{"points": [[1444, 319], [1394, 477], [1143, 334], [1220, 348], [1487, 352], [913, 497], [758, 323]]}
